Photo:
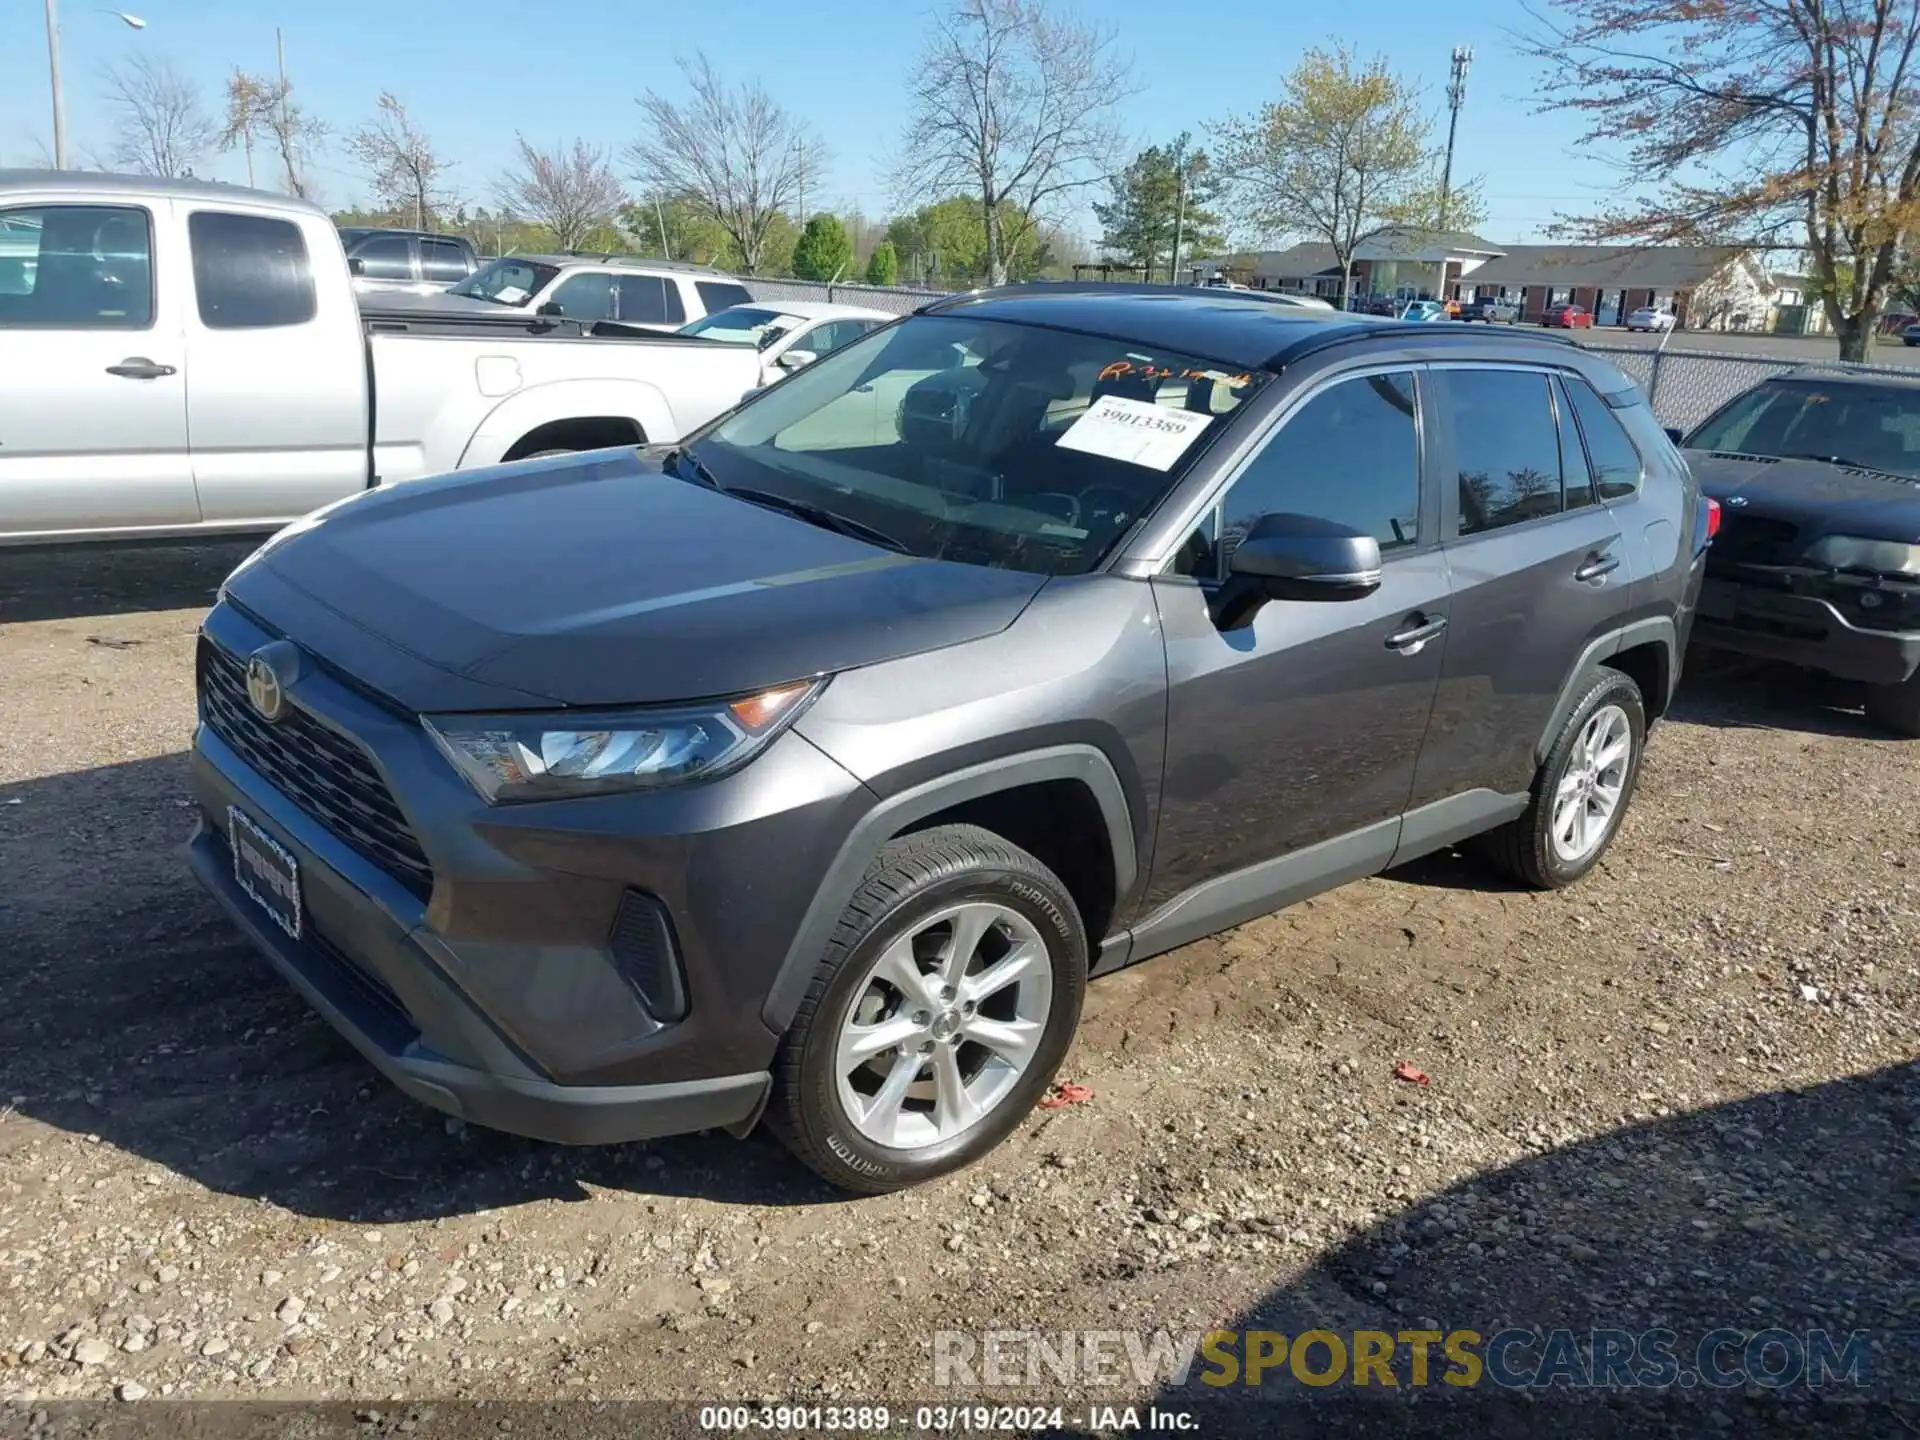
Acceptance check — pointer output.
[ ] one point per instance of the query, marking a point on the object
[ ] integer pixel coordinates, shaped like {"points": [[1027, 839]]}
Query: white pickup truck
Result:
{"points": [[179, 358]]}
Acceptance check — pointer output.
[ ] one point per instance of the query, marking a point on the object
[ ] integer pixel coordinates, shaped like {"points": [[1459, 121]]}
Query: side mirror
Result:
{"points": [[356, 266], [1296, 557], [1676, 434], [795, 359], [553, 308]]}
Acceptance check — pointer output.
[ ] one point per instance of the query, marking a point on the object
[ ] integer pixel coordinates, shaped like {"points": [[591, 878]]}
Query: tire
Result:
{"points": [[1896, 707], [1526, 848], [908, 894]]}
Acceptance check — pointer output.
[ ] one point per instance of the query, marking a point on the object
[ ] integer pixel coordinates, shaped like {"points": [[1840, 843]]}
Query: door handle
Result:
{"points": [[1413, 637], [1596, 565], [138, 367]]}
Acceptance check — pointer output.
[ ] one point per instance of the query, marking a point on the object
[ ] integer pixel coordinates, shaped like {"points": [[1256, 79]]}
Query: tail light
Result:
{"points": [[1713, 517]]}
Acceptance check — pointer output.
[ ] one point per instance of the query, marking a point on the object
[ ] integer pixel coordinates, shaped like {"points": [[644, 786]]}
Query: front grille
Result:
{"points": [[328, 776]]}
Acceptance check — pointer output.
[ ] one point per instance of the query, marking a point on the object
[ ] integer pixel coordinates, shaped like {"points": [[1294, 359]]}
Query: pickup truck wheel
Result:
{"points": [[1896, 707], [1582, 791], [945, 1002]]}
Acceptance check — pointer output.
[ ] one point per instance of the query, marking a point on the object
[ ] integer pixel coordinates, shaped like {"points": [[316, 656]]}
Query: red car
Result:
{"points": [[1567, 317]]}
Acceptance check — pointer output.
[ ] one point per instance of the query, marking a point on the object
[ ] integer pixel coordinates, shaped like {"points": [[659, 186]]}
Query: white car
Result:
{"points": [[788, 333], [1649, 319]]}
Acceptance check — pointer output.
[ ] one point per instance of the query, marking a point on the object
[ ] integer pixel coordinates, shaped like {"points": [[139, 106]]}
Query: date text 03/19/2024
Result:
{"points": [[939, 1419]]}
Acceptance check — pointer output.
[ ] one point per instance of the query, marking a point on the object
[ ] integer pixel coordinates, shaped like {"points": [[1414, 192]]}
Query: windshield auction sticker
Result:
{"points": [[1136, 431]]}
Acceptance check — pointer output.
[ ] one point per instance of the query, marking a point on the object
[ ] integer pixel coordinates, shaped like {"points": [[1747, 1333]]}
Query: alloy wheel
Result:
{"points": [[945, 1022], [1587, 798]]}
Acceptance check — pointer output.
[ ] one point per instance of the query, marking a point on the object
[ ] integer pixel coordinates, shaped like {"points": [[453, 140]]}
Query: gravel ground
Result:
{"points": [[1682, 1095]]}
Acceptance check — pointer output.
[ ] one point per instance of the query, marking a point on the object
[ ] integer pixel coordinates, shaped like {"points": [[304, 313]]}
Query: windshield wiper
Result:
{"points": [[816, 515], [1831, 460], [680, 456]]}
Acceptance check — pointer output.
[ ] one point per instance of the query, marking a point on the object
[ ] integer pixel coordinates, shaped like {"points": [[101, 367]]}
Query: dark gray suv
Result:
{"points": [[806, 771]]}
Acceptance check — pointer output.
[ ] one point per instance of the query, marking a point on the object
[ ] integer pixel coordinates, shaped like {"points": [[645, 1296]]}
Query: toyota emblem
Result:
{"points": [[263, 687]]}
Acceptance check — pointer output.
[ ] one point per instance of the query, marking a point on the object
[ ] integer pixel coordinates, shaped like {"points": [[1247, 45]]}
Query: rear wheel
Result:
{"points": [[944, 1004], [1582, 791], [1896, 707]]}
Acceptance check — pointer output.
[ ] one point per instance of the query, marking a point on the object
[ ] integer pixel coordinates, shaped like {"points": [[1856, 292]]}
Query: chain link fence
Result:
{"points": [[894, 299], [1684, 386]]}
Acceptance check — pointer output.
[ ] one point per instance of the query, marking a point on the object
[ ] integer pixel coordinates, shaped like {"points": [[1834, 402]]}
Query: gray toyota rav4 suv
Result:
{"points": [[806, 771]]}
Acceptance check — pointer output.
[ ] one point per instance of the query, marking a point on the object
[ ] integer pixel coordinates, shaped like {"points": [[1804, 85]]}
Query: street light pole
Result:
{"points": [[59, 97], [132, 22]]}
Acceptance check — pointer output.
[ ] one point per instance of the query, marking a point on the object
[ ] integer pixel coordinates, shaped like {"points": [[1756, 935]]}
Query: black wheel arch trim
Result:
{"points": [[1658, 630], [1082, 763]]}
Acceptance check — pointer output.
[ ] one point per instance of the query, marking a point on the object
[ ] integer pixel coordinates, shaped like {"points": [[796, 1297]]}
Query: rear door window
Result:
{"points": [[1506, 446], [250, 272], [648, 300], [76, 267]]}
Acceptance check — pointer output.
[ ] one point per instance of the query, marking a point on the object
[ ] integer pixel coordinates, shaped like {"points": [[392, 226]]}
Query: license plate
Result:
{"points": [[263, 868]]}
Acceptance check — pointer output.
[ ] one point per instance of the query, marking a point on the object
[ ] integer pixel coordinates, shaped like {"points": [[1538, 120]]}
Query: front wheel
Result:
{"points": [[1581, 792], [942, 1007]]}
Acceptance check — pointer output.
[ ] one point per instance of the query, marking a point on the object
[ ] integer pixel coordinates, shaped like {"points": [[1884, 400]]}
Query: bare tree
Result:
{"points": [[1770, 123], [406, 170], [570, 193], [1013, 102], [262, 109], [1340, 156], [163, 127], [733, 153]]}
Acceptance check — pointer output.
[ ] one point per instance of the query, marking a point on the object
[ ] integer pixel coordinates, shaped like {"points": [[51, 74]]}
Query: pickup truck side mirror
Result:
{"points": [[1296, 557], [356, 266], [796, 359], [553, 308]]}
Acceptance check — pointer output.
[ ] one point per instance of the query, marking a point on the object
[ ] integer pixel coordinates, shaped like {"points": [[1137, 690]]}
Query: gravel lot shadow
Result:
{"points": [[1732, 692], [131, 1010], [1794, 1210], [78, 580]]}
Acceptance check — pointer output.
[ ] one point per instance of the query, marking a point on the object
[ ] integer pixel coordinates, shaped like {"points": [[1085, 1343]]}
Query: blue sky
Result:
{"points": [[474, 75]]}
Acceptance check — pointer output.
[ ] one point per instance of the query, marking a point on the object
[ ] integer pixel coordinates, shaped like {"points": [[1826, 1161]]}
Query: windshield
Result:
{"points": [[743, 325], [1872, 427], [982, 442], [507, 282]]}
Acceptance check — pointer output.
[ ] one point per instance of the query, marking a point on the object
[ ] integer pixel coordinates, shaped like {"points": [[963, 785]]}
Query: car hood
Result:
{"points": [[1819, 499], [599, 580]]}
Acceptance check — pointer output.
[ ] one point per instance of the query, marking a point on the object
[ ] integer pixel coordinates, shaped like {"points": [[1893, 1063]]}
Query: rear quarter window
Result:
{"points": [[721, 294], [1615, 459], [250, 272]]}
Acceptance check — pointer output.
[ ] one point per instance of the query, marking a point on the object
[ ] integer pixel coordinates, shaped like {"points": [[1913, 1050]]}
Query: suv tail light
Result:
{"points": [[1706, 524]]}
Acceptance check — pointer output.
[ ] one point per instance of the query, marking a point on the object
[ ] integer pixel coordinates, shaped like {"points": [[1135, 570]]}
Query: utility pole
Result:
{"points": [[1456, 97], [286, 147], [1179, 219], [59, 98], [800, 159]]}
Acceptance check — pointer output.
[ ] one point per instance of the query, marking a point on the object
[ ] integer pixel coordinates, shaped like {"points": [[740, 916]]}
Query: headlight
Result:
{"points": [[554, 756], [1851, 552]]}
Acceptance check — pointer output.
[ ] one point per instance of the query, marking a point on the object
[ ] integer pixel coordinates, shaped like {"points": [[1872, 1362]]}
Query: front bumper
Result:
{"points": [[1806, 630], [498, 989]]}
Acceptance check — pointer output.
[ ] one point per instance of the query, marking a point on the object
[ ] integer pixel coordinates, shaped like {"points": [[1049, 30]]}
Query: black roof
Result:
{"points": [[1229, 326]]}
